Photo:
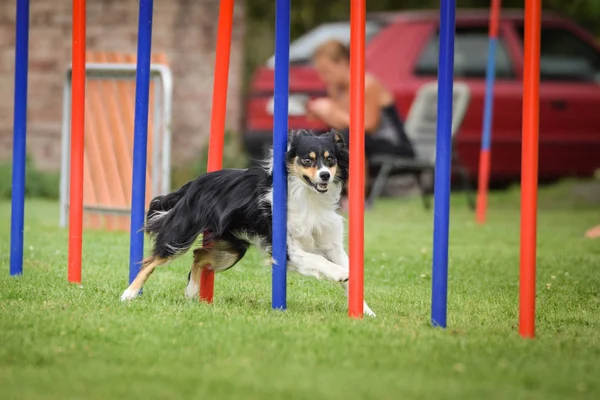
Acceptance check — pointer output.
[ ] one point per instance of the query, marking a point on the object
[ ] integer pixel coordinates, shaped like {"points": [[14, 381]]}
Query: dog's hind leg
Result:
{"points": [[202, 257], [219, 256], [148, 266]]}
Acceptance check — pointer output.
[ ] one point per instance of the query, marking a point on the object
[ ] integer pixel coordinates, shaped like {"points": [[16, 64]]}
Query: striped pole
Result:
{"points": [[140, 138], [77, 141], [486, 133], [529, 166], [217, 120], [356, 184], [19, 138], [280, 127], [441, 219]]}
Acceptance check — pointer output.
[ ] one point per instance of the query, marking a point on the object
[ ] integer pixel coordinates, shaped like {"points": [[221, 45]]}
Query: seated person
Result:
{"points": [[384, 130]]}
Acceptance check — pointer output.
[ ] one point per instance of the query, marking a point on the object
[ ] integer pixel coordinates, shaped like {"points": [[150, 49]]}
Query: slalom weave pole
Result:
{"points": [[529, 166], [280, 127], [77, 142], [140, 137], [356, 184], [443, 160], [217, 120], [19, 138], [486, 133]]}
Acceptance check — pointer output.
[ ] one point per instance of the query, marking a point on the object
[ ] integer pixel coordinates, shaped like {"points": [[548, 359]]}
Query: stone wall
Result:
{"points": [[185, 30]]}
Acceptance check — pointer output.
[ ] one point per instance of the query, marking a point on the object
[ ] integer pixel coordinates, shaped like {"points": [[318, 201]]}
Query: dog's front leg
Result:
{"points": [[336, 254], [316, 265], [331, 244]]}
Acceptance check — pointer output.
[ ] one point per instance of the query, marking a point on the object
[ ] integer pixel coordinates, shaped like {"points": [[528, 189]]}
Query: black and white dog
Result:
{"points": [[235, 206]]}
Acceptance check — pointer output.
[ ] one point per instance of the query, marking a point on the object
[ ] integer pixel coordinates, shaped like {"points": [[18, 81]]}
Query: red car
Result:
{"points": [[402, 51]]}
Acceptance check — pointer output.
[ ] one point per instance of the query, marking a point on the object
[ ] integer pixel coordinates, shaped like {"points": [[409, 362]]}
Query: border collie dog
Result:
{"points": [[235, 207]]}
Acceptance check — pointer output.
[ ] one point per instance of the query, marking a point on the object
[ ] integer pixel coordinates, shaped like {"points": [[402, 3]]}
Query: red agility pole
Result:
{"points": [[217, 122], [529, 166], [356, 189], [485, 153], [77, 125]]}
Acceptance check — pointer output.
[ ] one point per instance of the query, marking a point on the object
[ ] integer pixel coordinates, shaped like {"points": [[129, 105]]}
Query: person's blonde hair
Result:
{"points": [[334, 50]]}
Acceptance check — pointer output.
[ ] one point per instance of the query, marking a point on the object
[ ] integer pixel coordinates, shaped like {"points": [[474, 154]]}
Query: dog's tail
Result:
{"points": [[160, 207]]}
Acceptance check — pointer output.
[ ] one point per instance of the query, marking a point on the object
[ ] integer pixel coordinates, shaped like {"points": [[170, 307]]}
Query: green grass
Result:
{"points": [[60, 341]]}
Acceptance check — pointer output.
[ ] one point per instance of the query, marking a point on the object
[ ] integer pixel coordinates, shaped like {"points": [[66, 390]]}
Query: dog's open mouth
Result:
{"points": [[319, 187]]}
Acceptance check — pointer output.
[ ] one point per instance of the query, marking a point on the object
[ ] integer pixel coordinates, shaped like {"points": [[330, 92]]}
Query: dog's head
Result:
{"points": [[317, 160]]}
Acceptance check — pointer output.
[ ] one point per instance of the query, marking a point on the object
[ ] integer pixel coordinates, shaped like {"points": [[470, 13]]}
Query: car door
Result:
{"points": [[569, 101]]}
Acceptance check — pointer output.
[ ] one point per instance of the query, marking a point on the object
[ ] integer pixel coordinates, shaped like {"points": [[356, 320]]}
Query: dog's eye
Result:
{"points": [[306, 161], [330, 159]]}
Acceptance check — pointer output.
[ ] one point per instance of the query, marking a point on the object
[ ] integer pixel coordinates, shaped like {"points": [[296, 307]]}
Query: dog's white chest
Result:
{"points": [[310, 227], [311, 217]]}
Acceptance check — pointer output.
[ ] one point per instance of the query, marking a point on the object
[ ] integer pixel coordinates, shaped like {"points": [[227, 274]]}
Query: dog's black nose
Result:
{"points": [[324, 175]]}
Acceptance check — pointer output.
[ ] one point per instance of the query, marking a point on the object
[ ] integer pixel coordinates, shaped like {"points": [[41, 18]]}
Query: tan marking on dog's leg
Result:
{"points": [[223, 256], [219, 256], [148, 266], [202, 257]]}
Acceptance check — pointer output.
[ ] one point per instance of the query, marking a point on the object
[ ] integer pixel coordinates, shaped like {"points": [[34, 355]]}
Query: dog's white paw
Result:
{"points": [[367, 311], [191, 290], [129, 294], [342, 277]]}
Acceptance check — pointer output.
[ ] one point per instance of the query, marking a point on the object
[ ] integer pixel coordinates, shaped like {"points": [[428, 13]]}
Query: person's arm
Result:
{"points": [[372, 107], [332, 91], [334, 115], [338, 118], [330, 112]]}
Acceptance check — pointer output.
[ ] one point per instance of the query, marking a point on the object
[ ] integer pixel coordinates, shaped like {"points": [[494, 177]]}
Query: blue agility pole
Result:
{"points": [[441, 218], [140, 138], [486, 134], [280, 132], [19, 139]]}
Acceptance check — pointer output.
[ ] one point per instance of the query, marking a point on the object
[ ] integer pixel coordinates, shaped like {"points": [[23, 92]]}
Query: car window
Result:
{"points": [[302, 49], [470, 55], [566, 57]]}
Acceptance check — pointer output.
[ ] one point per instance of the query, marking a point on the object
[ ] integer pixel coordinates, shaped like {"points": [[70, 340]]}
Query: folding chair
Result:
{"points": [[421, 129]]}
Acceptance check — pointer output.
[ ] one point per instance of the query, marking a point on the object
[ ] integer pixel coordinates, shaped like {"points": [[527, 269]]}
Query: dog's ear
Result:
{"points": [[341, 153], [293, 135], [292, 144], [338, 139]]}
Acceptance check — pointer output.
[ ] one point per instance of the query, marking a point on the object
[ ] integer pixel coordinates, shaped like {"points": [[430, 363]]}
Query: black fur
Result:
{"points": [[166, 202], [229, 204], [222, 202]]}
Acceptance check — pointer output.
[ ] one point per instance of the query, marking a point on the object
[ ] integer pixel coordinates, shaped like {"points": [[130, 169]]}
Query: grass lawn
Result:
{"points": [[60, 341]]}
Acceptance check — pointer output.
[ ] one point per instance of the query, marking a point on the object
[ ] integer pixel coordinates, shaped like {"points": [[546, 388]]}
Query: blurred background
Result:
{"points": [[185, 32], [306, 14]]}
